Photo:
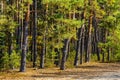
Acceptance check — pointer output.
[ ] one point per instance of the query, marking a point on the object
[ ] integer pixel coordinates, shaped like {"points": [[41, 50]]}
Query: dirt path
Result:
{"points": [[109, 76], [89, 71]]}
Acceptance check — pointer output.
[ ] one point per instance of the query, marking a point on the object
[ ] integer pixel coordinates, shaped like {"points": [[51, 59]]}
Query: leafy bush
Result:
{"points": [[4, 61], [10, 61], [94, 57], [14, 60]]}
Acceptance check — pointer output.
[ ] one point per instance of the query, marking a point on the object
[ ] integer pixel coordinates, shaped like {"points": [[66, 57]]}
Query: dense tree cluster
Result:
{"points": [[58, 32]]}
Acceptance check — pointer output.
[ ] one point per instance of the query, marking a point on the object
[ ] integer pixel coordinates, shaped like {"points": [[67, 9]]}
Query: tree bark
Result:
{"points": [[76, 63], [35, 33], [25, 40], [42, 56], [57, 58], [64, 55], [89, 39], [82, 44], [103, 40], [96, 37]]}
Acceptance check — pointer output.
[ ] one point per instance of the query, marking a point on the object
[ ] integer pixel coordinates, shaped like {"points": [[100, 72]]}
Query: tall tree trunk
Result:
{"points": [[42, 56], [68, 52], [103, 40], [89, 39], [21, 21], [79, 34], [108, 50], [25, 40], [10, 43], [57, 58], [18, 31], [108, 56], [35, 33], [96, 36], [82, 44], [2, 6], [31, 41], [64, 55]]}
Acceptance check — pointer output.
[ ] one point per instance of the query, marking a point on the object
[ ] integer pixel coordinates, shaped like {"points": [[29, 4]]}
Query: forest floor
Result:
{"points": [[87, 71]]}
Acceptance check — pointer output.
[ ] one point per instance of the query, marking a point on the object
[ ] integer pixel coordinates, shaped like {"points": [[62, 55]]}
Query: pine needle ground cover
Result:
{"points": [[86, 71]]}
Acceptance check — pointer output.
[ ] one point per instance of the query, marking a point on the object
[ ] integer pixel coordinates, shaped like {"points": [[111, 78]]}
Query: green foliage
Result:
{"points": [[14, 59], [70, 59], [50, 58], [94, 57], [4, 61], [30, 1], [117, 57]]}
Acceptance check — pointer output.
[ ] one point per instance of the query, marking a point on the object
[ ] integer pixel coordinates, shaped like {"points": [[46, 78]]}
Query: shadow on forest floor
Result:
{"points": [[85, 71]]}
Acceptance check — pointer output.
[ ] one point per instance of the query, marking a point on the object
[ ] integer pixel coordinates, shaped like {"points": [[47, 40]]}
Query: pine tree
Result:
{"points": [[35, 34], [25, 39]]}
